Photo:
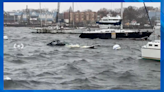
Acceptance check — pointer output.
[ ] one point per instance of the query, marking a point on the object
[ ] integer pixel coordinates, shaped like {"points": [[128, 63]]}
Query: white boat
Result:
{"points": [[152, 50], [110, 22]]}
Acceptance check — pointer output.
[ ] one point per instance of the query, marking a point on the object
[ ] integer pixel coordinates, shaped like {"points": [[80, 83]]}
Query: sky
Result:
{"points": [[94, 6]]}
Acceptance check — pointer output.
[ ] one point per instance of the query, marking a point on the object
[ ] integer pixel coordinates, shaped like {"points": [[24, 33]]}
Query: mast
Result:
{"points": [[121, 15], [149, 19], [46, 18], [73, 14], [148, 15], [40, 14], [69, 15], [26, 13], [57, 16]]}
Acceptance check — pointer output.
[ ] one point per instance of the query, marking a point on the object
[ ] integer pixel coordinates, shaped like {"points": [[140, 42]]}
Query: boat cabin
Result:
{"points": [[110, 19], [155, 44]]}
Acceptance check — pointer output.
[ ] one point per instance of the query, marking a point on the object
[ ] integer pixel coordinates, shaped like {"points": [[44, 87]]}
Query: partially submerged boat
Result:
{"points": [[78, 46], [66, 44], [57, 43]]}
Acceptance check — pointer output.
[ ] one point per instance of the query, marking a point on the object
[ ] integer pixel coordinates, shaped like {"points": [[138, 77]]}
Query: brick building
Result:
{"points": [[80, 17]]}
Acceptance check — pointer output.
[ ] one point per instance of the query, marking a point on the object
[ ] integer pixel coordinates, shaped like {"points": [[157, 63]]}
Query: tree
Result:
{"points": [[130, 14], [102, 12], [114, 13]]}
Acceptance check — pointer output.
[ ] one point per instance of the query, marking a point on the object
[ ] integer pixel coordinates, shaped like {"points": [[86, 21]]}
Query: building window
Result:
{"points": [[105, 20]]}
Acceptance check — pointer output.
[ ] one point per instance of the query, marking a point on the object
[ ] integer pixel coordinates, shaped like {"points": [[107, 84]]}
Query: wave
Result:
{"points": [[127, 60], [7, 54], [87, 87], [22, 84], [45, 74], [108, 72], [77, 81], [18, 61], [72, 69], [122, 87], [16, 84], [81, 61], [127, 74]]}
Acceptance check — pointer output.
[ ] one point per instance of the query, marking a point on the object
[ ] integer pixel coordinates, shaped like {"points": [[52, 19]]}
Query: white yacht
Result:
{"points": [[152, 50], [110, 22]]}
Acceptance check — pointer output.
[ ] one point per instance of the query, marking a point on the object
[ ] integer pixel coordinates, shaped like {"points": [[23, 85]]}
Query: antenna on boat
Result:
{"points": [[40, 14], [121, 15], [57, 15], [73, 13], [69, 15]]}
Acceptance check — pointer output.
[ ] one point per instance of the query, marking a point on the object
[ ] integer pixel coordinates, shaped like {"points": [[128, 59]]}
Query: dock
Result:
{"points": [[56, 31]]}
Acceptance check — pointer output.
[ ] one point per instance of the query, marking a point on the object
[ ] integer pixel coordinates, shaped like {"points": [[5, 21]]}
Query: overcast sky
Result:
{"points": [[94, 6]]}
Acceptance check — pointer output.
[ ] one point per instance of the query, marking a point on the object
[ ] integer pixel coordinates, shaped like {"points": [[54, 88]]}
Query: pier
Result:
{"points": [[57, 31]]}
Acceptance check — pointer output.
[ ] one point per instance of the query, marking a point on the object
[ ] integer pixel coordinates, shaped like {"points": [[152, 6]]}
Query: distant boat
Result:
{"points": [[109, 22], [152, 50]]}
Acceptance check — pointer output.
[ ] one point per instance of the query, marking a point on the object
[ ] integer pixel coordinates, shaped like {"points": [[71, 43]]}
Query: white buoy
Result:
{"points": [[7, 78], [116, 47], [5, 37]]}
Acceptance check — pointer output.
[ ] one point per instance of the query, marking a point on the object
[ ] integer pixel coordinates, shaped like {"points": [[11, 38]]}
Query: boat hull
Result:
{"points": [[115, 35], [153, 54], [108, 26]]}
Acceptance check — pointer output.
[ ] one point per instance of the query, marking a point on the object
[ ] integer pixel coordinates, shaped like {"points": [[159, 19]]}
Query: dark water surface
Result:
{"points": [[38, 66]]}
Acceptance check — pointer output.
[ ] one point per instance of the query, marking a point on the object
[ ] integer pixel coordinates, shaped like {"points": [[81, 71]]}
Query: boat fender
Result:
{"points": [[140, 33]]}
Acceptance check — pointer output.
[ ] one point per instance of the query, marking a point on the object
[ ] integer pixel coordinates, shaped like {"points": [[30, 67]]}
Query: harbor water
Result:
{"points": [[38, 66]]}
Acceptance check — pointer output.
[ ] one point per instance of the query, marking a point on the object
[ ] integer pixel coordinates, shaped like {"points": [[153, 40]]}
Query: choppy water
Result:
{"points": [[38, 66]]}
